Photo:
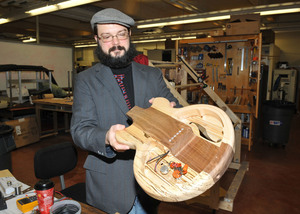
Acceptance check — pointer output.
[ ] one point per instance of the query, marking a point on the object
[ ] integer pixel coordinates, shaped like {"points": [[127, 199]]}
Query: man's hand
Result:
{"points": [[172, 104], [111, 138]]}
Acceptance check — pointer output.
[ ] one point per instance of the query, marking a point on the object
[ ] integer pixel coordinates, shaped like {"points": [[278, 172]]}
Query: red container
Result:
{"points": [[45, 194]]}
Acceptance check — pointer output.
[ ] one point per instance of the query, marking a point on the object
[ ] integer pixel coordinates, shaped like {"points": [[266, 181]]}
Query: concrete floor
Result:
{"points": [[270, 186]]}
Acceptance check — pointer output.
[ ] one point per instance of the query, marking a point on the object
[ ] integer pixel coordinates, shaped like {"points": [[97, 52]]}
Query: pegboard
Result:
{"points": [[230, 65]]}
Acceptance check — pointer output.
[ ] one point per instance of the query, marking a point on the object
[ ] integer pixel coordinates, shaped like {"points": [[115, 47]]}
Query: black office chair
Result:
{"points": [[56, 160]]}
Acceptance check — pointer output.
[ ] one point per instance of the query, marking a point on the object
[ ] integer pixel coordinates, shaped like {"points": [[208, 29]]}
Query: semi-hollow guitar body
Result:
{"points": [[199, 137]]}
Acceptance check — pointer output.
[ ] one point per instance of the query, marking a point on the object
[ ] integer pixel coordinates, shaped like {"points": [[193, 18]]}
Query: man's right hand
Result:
{"points": [[111, 138]]}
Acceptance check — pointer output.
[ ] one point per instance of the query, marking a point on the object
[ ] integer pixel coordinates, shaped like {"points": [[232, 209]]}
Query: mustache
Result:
{"points": [[116, 48]]}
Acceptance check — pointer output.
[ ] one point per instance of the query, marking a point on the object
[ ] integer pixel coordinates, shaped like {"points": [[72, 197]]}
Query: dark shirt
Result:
{"points": [[125, 81]]}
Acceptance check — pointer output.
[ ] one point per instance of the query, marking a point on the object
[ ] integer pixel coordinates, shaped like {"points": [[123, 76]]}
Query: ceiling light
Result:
{"points": [[47, 9], [29, 40], [3, 20], [187, 21], [73, 3], [150, 40], [188, 37], [273, 12], [42, 10], [85, 46], [59, 6]]}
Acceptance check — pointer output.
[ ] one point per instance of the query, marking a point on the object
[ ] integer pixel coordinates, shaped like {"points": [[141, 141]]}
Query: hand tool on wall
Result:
{"points": [[225, 57], [225, 61], [230, 66], [213, 73], [217, 73], [242, 59]]}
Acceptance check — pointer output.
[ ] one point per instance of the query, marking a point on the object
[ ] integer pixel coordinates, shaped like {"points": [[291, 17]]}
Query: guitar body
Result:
{"points": [[174, 135]]}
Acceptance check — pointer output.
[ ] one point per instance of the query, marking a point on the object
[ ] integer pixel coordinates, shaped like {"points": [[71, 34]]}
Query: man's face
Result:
{"points": [[113, 39]]}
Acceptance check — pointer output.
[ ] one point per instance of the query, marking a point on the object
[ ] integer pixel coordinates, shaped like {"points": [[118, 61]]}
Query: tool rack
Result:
{"points": [[230, 65]]}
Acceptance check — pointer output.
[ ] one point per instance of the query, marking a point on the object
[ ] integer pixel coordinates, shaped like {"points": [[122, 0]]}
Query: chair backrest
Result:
{"points": [[55, 160]]}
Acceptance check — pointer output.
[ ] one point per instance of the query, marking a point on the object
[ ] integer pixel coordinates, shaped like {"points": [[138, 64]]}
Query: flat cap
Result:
{"points": [[111, 16]]}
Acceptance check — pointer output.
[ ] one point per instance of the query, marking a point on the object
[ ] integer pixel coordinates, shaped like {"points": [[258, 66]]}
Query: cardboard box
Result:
{"points": [[243, 24], [25, 131]]}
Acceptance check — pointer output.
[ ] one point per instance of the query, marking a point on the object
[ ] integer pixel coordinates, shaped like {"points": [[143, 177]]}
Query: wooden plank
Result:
{"points": [[176, 94], [188, 85], [227, 202], [238, 136]]}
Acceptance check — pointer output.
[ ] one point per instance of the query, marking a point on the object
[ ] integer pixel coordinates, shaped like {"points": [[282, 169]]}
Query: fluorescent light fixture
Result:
{"points": [[180, 38], [85, 46], [42, 10], [187, 21], [150, 40], [3, 20], [29, 40], [273, 12], [59, 6], [72, 3]]}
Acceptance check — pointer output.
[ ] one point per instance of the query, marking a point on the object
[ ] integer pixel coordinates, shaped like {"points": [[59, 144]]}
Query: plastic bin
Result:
{"points": [[277, 118], [7, 144]]}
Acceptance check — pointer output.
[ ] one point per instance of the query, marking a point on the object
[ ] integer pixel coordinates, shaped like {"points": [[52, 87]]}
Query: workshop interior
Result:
{"points": [[241, 58]]}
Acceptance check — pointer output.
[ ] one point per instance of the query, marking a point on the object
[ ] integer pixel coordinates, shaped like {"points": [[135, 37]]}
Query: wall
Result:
{"points": [[144, 47], [58, 59], [85, 56], [157, 55], [289, 45]]}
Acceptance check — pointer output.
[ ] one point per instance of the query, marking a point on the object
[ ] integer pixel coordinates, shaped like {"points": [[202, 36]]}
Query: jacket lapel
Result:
{"points": [[106, 77]]}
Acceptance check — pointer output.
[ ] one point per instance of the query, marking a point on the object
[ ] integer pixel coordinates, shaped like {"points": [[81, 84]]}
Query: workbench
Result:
{"points": [[54, 105]]}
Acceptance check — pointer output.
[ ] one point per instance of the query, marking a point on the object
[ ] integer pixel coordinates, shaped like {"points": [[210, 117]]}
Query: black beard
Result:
{"points": [[116, 62]]}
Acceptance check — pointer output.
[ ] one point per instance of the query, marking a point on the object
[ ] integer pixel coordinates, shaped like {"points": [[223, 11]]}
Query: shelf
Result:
{"points": [[17, 75], [27, 81]]}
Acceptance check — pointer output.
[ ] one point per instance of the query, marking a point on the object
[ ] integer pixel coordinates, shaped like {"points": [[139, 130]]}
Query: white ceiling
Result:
{"points": [[72, 25]]}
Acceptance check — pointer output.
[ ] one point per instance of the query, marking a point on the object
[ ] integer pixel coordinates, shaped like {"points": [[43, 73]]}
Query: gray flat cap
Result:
{"points": [[110, 15]]}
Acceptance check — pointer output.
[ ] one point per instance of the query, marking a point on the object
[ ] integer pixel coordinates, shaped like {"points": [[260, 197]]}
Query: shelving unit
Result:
{"points": [[18, 76]]}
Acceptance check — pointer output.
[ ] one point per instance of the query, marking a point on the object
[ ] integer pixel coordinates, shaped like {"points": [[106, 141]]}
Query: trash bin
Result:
{"points": [[7, 144], [277, 118]]}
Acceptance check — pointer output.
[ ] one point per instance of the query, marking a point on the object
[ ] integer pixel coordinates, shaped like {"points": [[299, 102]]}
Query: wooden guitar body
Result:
{"points": [[174, 135]]}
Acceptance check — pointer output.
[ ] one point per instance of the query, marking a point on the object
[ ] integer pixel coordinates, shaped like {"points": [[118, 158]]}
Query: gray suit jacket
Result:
{"points": [[99, 104]]}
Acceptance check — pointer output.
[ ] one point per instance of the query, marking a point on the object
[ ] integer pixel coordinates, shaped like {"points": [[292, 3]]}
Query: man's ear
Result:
{"points": [[96, 38]]}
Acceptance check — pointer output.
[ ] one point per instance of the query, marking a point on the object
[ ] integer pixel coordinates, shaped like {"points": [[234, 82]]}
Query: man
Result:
{"points": [[103, 95]]}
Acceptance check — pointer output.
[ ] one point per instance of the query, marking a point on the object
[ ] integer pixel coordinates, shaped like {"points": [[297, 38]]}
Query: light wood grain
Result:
{"points": [[161, 128]]}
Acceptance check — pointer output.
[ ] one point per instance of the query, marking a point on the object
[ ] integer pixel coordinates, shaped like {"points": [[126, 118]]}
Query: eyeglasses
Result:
{"points": [[122, 35]]}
